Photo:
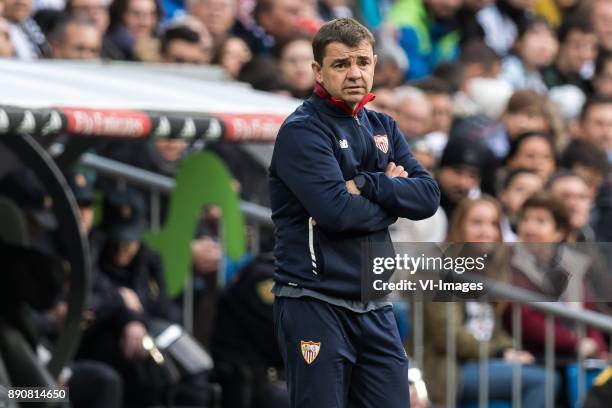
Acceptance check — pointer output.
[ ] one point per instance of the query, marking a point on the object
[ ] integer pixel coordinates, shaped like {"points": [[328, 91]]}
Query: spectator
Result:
{"points": [[6, 45], [479, 61], [502, 21], [392, 63], [602, 23], [519, 184], [596, 123], [542, 266], [439, 96], [26, 36], [526, 112], [413, 113], [429, 32], [180, 44], [295, 58], [218, 16], [232, 55], [533, 151], [602, 79], [574, 192], [277, 21], [535, 48], [477, 221], [577, 53], [588, 161], [459, 172], [556, 11], [132, 21], [263, 74], [76, 38], [384, 101], [98, 12]]}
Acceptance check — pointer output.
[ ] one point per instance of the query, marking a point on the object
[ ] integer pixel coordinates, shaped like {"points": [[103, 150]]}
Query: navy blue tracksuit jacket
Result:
{"points": [[319, 147]]}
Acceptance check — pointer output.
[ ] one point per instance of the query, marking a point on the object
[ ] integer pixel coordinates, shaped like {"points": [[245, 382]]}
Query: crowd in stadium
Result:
{"points": [[507, 103]]}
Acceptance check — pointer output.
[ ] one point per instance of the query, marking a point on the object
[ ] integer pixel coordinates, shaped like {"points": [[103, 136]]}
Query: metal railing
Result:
{"points": [[582, 318]]}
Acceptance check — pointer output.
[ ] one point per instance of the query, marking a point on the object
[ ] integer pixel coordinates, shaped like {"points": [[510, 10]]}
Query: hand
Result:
{"points": [[587, 347], [130, 299], [519, 356], [131, 341], [395, 171], [206, 255], [352, 188]]}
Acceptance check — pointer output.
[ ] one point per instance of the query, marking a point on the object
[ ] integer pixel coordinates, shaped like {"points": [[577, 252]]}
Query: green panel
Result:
{"points": [[202, 179]]}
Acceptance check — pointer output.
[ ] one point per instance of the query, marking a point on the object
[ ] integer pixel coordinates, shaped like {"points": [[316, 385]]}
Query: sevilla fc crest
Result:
{"points": [[310, 350], [382, 142]]}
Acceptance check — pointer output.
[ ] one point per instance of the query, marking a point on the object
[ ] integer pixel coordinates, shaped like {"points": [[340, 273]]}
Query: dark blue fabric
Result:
{"points": [[318, 148], [361, 361]]}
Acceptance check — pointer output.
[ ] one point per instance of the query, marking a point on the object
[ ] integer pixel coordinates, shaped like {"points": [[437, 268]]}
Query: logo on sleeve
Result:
{"points": [[310, 350], [382, 142], [343, 144]]}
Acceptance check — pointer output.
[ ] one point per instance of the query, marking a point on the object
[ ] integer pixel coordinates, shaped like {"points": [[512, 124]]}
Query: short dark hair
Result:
{"points": [[179, 32], [347, 31], [573, 24], [552, 203], [476, 51], [434, 85], [592, 101], [58, 33], [584, 153], [514, 173], [515, 144]]}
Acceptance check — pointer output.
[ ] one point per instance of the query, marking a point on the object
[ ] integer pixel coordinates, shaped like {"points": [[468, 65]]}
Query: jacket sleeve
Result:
{"points": [[416, 197], [305, 162]]}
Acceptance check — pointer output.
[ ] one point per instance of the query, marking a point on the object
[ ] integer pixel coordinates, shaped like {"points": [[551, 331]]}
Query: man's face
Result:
{"points": [[456, 182], [16, 11], [579, 49], [414, 117], [602, 23], [597, 126], [603, 81], [347, 72], [281, 20], [96, 10], [575, 193], [6, 46], [217, 15], [442, 114], [444, 9], [80, 42], [184, 52]]}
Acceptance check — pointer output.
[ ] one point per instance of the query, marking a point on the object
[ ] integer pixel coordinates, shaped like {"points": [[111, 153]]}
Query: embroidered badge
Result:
{"points": [[310, 350], [382, 142]]}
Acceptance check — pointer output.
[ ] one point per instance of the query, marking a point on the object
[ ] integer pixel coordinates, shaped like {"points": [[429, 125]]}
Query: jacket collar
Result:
{"points": [[321, 92]]}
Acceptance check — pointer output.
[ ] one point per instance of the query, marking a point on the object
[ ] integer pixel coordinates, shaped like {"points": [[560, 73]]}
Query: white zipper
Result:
{"points": [[311, 246]]}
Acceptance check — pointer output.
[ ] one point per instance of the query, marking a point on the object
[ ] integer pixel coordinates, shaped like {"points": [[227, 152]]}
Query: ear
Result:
{"points": [[375, 60], [316, 69]]}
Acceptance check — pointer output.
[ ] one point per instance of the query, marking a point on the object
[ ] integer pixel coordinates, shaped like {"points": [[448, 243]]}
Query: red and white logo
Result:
{"points": [[310, 350], [382, 142]]}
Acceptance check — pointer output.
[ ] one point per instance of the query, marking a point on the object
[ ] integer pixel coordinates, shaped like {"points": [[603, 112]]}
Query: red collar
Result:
{"points": [[322, 93]]}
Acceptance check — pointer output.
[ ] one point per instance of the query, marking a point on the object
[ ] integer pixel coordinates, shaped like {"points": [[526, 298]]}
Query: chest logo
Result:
{"points": [[343, 144], [310, 350], [382, 142]]}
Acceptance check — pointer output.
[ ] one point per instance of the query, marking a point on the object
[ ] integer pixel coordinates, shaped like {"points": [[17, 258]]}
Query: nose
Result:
{"points": [[354, 72]]}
